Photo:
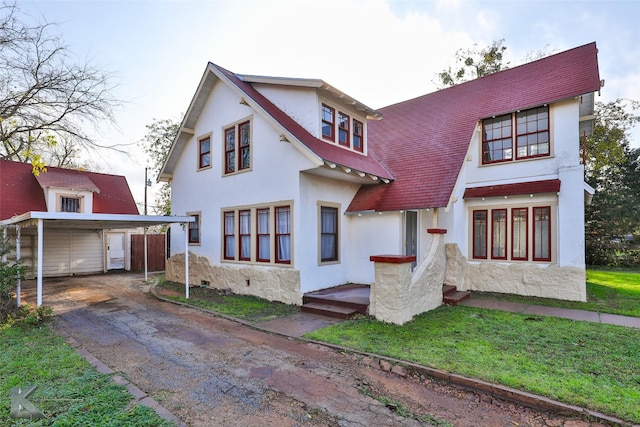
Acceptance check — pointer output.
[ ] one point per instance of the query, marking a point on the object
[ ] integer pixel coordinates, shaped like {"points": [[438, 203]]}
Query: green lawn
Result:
{"points": [[608, 291], [70, 392], [592, 365]]}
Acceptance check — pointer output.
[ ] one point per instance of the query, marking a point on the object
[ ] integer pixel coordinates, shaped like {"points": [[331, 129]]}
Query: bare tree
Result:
{"points": [[45, 96], [156, 144]]}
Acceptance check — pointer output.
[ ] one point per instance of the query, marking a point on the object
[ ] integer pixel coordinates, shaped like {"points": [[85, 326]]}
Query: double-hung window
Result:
{"points": [[529, 129], [245, 235], [229, 235], [237, 147], [264, 236], [510, 230], [328, 234], [343, 129], [194, 229], [283, 234], [204, 152], [328, 122], [358, 136]]}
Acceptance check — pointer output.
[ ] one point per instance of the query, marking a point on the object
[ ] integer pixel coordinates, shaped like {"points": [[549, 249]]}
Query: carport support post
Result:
{"points": [[18, 243], [186, 261], [40, 255], [145, 255]]}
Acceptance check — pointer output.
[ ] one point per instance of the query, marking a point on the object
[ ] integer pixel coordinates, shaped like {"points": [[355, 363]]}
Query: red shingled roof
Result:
{"points": [[423, 141], [531, 187], [329, 152], [21, 192]]}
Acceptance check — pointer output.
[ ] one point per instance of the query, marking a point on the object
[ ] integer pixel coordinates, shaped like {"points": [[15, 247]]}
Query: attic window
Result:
{"points": [[530, 130], [70, 204]]}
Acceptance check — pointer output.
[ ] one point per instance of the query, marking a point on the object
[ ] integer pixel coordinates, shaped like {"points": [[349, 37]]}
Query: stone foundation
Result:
{"points": [[398, 294], [270, 283], [521, 278]]}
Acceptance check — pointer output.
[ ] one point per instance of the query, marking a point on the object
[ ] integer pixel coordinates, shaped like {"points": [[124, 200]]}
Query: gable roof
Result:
{"points": [[318, 150], [21, 191], [423, 141]]}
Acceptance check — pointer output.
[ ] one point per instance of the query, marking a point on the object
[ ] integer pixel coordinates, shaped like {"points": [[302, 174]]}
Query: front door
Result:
{"points": [[115, 251], [411, 234]]}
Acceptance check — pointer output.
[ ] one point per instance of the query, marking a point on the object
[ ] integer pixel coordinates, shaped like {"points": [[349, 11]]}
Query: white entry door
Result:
{"points": [[115, 251]]}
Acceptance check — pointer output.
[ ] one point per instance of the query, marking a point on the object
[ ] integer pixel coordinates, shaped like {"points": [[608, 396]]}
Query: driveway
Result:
{"points": [[211, 371]]}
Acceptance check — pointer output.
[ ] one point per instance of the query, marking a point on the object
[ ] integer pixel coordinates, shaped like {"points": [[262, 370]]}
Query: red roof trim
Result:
{"points": [[393, 259], [531, 187]]}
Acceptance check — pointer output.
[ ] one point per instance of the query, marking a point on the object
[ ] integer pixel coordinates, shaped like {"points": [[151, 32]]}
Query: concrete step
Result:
{"points": [[456, 297], [328, 310], [448, 289]]}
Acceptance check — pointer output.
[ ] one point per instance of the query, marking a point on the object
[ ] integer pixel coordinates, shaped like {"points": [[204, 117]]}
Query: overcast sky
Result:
{"points": [[379, 52]]}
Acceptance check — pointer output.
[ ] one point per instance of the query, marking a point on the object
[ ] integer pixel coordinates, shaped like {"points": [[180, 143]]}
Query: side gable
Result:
{"points": [[21, 191], [423, 141]]}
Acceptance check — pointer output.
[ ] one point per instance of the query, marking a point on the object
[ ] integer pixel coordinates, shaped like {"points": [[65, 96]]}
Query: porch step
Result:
{"points": [[328, 310], [452, 296]]}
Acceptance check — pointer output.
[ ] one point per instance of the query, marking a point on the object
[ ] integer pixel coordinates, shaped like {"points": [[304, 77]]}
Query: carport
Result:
{"points": [[42, 221]]}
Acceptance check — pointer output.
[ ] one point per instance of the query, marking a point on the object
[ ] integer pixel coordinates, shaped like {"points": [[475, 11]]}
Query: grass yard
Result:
{"points": [[608, 291], [592, 365], [70, 392], [246, 307]]}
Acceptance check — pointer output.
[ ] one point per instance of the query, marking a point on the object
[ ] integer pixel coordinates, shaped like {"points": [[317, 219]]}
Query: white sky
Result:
{"points": [[379, 52]]}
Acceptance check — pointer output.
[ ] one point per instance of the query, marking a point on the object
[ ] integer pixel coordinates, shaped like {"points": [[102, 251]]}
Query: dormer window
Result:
{"points": [[328, 122], [70, 204], [339, 127]]}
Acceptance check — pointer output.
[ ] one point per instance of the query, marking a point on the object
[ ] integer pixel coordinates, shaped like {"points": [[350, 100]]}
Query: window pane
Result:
{"points": [[533, 132], [245, 234], [479, 234], [230, 150], [328, 122]]}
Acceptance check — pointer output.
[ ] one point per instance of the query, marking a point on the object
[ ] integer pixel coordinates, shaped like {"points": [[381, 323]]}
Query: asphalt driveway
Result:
{"points": [[210, 371]]}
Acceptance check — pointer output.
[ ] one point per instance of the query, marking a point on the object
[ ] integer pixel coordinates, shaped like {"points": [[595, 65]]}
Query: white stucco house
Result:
{"points": [[296, 185]]}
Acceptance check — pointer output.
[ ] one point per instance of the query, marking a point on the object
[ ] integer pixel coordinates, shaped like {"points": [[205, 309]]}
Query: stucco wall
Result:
{"points": [[529, 279], [270, 283], [398, 295]]}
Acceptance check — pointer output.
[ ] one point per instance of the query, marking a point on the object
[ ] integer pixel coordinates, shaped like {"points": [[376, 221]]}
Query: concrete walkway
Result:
{"points": [[566, 313]]}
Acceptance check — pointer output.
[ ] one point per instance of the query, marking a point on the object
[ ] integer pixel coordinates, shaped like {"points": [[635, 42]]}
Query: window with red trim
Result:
{"points": [[194, 230], [244, 231], [328, 122], [263, 249], [519, 233], [204, 152], [358, 136], [499, 234], [532, 133], [480, 234], [542, 233], [343, 129], [237, 147], [229, 235], [230, 150], [283, 234], [497, 145]]}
